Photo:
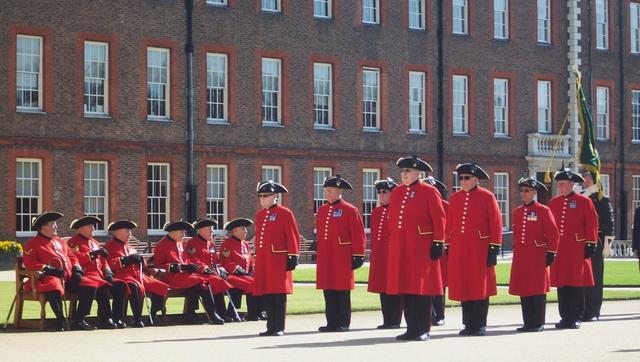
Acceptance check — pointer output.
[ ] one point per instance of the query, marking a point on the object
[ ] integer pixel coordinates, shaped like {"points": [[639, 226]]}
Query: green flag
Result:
{"points": [[589, 157]]}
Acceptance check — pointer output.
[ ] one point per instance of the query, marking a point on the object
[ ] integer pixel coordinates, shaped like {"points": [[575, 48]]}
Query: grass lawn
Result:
{"points": [[616, 274]]}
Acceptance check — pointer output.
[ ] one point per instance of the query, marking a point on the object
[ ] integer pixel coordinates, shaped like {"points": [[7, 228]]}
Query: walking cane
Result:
{"points": [[206, 312], [15, 297], [144, 298], [233, 306], [64, 296]]}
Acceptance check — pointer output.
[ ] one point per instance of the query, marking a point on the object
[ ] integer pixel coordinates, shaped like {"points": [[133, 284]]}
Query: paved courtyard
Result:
{"points": [[615, 337]]}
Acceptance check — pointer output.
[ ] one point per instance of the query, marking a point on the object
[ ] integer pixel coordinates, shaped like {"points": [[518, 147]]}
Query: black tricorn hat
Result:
{"points": [[85, 220], [203, 223], [270, 187], [387, 184], [565, 173], [177, 225], [442, 188], [472, 169], [533, 183], [45, 217], [122, 224], [414, 162], [337, 181], [230, 225]]}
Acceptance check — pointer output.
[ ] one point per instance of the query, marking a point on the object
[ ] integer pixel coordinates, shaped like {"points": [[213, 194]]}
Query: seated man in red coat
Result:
{"points": [[237, 259], [170, 255], [93, 260], [130, 281], [535, 243], [60, 271]]}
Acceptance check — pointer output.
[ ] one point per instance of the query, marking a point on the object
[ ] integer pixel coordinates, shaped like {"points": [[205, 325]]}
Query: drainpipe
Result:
{"points": [[191, 188], [440, 107], [620, 171]]}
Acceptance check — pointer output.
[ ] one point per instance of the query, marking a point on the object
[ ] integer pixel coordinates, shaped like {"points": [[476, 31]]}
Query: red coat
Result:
{"points": [[237, 253], [203, 253], [169, 251], [131, 272], [379, 249], [40, 251], [534, 234], [93, 268], [340, 236], [416, 220], [578, 224], [444, 259], [473, 222], [277, 236]]}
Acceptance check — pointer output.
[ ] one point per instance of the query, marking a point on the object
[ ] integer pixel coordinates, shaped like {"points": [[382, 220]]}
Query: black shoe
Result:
{"points": [[120, 324], [465, 332], [137, 324], [157, 321], [216, 320], [326, 329], [108, 324], [526, 329], [564, 324], [251, 317], [479, 332], [422, 337], [388, 326], [341, 329], [263, 316], [406, 336], [60, 325], [589, 319], [82, 325], [271, 334], [437, 323]]}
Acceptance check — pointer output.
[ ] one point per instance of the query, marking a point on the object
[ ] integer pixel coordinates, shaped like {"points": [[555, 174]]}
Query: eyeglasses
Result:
{"points": [[382, 192], [465, 177], [265, 195]]}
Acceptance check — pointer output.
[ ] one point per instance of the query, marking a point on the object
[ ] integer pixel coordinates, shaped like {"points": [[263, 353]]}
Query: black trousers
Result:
{"points": [[437, 311], [474, 314], [104, 307], [593, 295], [337, 308], [119, 291], [417, 313], [533, 310], [86, 295], [276, 307], [571, 303], [391, 306]]}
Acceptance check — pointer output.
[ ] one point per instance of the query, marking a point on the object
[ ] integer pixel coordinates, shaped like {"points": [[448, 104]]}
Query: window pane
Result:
{"points": [[157, 82], [271, 90], [157, 195], [322, 94], [501, 106], [460, 99], [29, 72], [95, 77], [217, 87], [28, 201], [416, 101], [501, 190], [370, 98], [217, 193], [369, 194]]}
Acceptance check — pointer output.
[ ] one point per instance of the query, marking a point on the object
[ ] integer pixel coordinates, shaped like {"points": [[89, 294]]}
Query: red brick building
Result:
{"points": [[94, 114]]}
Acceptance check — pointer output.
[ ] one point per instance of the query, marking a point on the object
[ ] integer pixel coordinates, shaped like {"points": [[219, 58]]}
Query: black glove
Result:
{"points": [[95, 253], [436, 250], [223, 273], [174, 268], [132, 259], [53, 272], [77, 269], [446, 249], [551, 257], [589, 250], [76, 275], [492, 258], [190, 268], [292, 262], [240, 271], [108, 276], [356, 261], [208, 271]]}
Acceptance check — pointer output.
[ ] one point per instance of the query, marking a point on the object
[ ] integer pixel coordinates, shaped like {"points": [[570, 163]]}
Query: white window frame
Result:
{"points": [[271, 173], [417, 13], [214, 88], [460, 17], [635, 116], [501, 19], [455, 184], [371, 99], [271, 6], [605, 181], [271, 86], [635, 191], [319, 175], [23, 72], [322, 94], [167, 197], [214, 188], [460, 104], [217, 2], [501, 107], [634, 27], [370, 8], [323, 9], [417, 102], [91, 194], [602, 24], [602, 113], [501, 191], [543, 14], [22, 182], [369, 194], [545, 106], [152, 69], [88, 65]]}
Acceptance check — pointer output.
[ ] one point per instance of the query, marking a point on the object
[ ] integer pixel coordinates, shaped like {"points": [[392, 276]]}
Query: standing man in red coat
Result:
{"points": [[130, 281], [535, 244], [417, 225], [60, 271], [237, 259], [341, 245], [438, 301], [578, 225], [391, 304], [277, 250], [93, 260], [170, 254], [474, 235]]}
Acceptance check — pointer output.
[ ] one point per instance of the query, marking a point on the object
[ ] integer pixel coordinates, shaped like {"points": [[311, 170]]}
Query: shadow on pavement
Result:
{"points": [[627, 350]]}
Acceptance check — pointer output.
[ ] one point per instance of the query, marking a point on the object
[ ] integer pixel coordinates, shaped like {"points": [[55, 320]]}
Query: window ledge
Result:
{"points": [[100, 233], [272, 125], [323, 128], [160, 119], [271, 12], [501, 137], [417, 132], [97, 116], [544, 45], [371, 130], [218, 6], [218, 122], [461, 35], [25, 234], [371, 24], [155, 232], [635, 142], [461, 134], [501, 40], [323, 18], [31, 111], [417, 30]]}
